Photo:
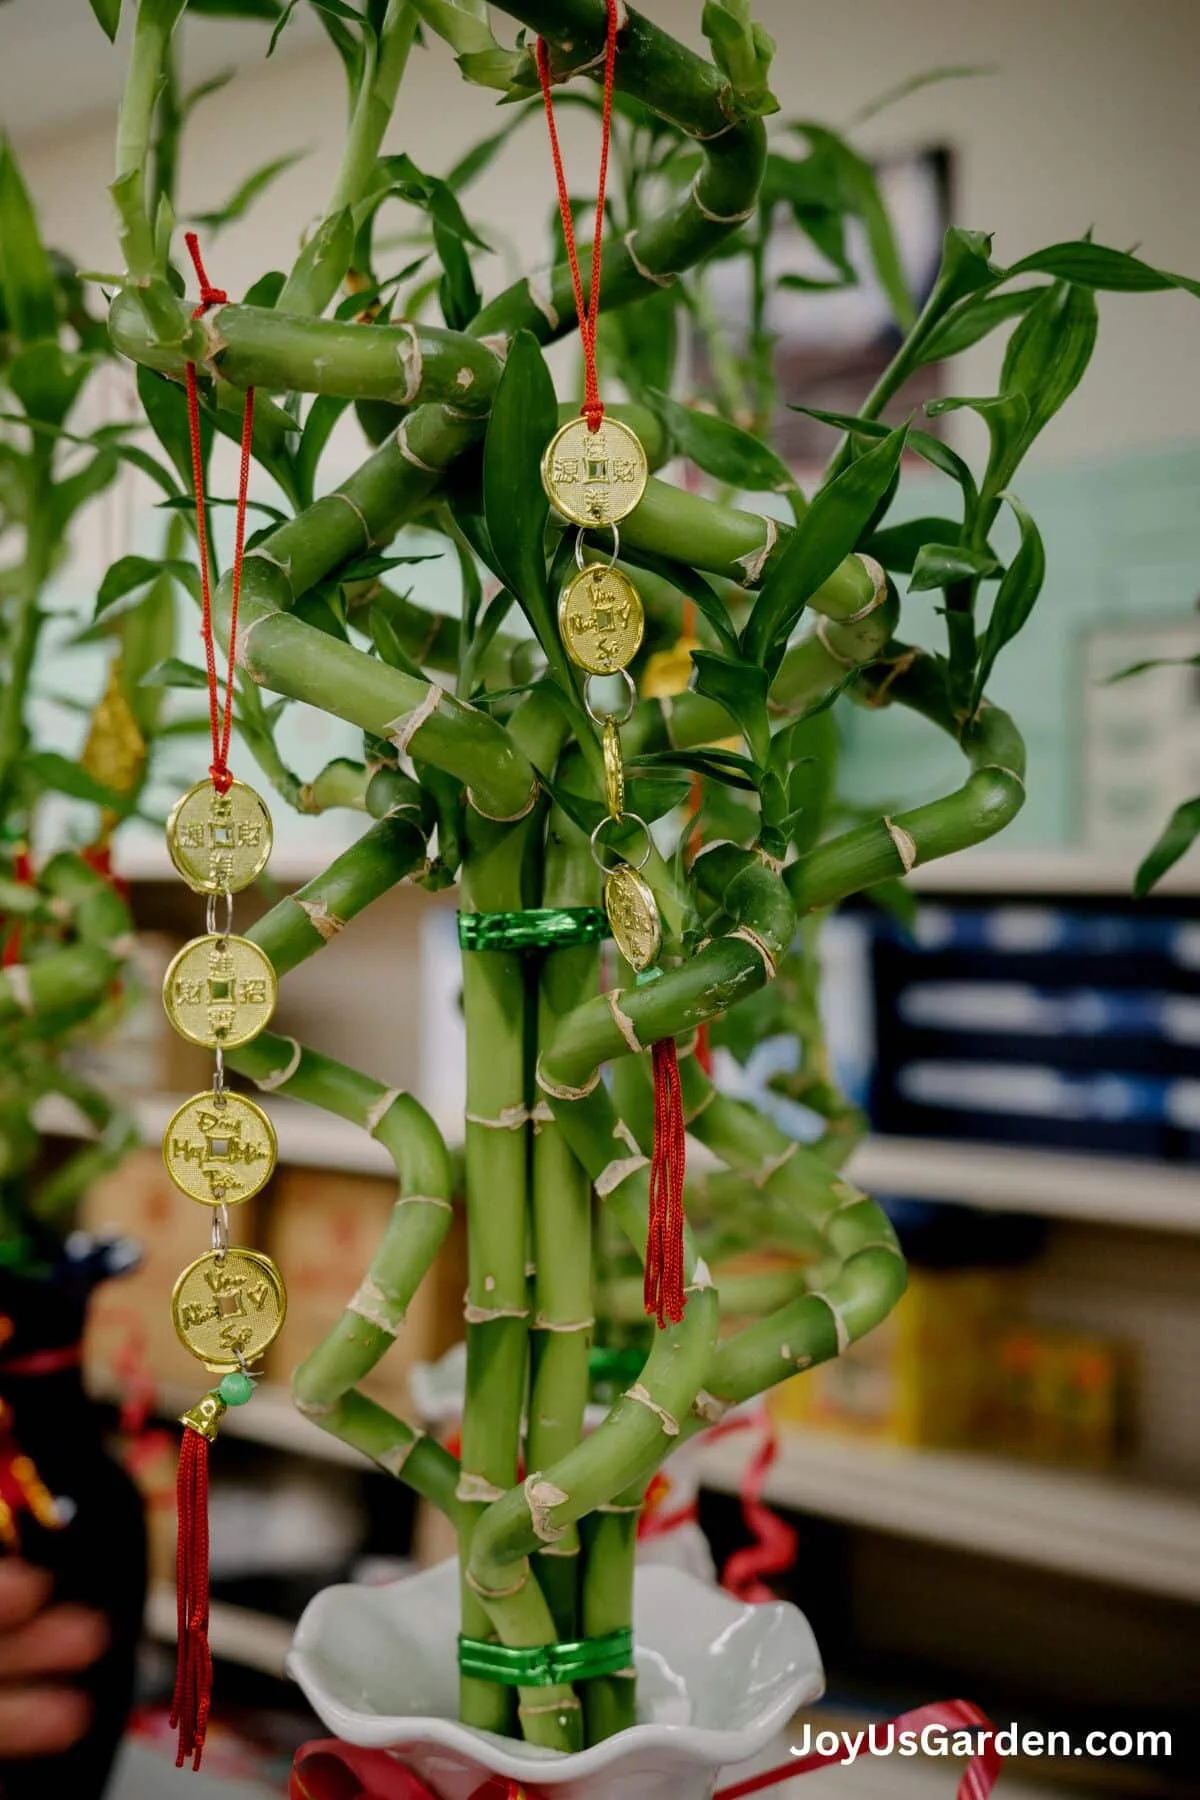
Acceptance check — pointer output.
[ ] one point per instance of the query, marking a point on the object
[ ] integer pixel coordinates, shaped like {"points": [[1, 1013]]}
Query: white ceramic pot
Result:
{"points": [[717, 1681]]}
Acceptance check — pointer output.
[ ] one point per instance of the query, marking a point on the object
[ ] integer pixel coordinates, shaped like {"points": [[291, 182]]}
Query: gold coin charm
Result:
{"points": [[219, 842], [219, 1149], [594, 477], [601, 619], [229, 1308], [614, 770], [220, 991], [632, 916]]}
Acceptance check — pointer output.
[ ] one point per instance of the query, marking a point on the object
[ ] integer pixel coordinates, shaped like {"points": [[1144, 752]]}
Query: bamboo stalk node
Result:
{"points": [[623, 1022], [906, 845], [275, 1079], [772, 1166], [325, 923], [487, 1315], [716, 218], [844, 1337], [477, 1490], [755, 561], [665, 280], [509, 1118], [20, 986], [506, 818], [373, 1305], [542, 1323], [617, 1171], [540, 295], [708, 1407], [425, 1200], [749, 936], [485, 1593], [563, 1090], [408, 453], [643, 1397], [401, 730], [822, 637], [541, 1497], [392, 1461]]}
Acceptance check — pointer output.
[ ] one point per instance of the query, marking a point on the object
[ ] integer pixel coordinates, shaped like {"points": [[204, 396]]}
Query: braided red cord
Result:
{"points": [[663, 1287], [587, 311], [221, 722], [193, 1664]]}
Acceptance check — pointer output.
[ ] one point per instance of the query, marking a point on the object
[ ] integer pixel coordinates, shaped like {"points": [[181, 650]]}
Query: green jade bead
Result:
{"points": [[236, 1388]]}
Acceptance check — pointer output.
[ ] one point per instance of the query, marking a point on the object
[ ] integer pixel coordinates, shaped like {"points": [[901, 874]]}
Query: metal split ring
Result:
{"points": [[628, 818], [579, 548], [618, 718], [210, 914], [220, 1232]]}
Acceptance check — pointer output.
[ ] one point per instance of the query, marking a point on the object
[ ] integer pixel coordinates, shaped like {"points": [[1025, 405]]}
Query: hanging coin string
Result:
{"points": [[219, 1148], [594, 471]]}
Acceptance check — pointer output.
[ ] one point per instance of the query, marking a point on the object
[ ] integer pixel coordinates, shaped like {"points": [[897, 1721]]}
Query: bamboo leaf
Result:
{"points": [[108, 17], [237, 9], [1048, 353], [898, 546], [1096, 266], [707, 602], [26, 279], [1007, 419], [724, 766], [861, 192], [741, 688], [321, 266], [47, 379], [387, 643], [914, 83], [69, 494], [931, 449], [1152, 662], [1015, 597], [400, 175], [165, 407], [974, 318], [129, 573], [938, 565], [840, 514], [247, 192], [323, 415], [46, 771], [1176, 838], [173, 672], [524, 418], [721, 448], [458, 294]]}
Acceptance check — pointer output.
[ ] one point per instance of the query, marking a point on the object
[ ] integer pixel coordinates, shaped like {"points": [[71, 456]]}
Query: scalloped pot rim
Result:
{"points": [[719, 1680]]}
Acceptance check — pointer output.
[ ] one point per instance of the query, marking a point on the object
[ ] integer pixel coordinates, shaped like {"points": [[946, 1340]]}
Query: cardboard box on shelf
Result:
{"points": [[1060, 1394], [130, 1336], [920, 1377], [323, 1230]]}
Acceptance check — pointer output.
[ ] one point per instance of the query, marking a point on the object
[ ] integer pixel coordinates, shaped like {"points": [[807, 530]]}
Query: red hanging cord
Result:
{"points": [[662, 1291], [588, 311], [193, 1664], [220, 721]]}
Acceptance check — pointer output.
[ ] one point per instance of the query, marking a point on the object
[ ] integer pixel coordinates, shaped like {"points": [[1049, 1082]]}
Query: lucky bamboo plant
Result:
{"points": [[482, 765], [64, 927]]}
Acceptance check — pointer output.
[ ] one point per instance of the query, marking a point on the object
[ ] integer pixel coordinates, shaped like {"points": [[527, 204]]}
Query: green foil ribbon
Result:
{"points": [[541, 928], [547, 1665]]}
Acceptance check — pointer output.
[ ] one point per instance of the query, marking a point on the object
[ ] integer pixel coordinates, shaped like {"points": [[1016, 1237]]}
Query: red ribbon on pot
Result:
{"points": [[329, 1770]]}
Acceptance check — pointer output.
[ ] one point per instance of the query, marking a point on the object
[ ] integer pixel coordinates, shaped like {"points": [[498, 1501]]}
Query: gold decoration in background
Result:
{"points": [[219, 842], [219, 1149], [229, 1307], [601, 618], [594, 477], [220, 991], [614, 770]]}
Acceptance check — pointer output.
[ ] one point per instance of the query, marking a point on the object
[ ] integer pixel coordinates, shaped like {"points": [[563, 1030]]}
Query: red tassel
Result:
{"points": [[663, 1291], [193, 1666]]}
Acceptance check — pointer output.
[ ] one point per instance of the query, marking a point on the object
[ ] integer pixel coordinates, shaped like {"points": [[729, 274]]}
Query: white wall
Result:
{"points": [[1089, 120]]}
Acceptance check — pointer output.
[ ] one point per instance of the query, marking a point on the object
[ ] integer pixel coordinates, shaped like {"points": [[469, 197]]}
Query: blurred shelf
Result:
{"points": [[1054, 1184], [1103, 1528], [1011, 873], [1101, 1190], [235, 1633]]}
